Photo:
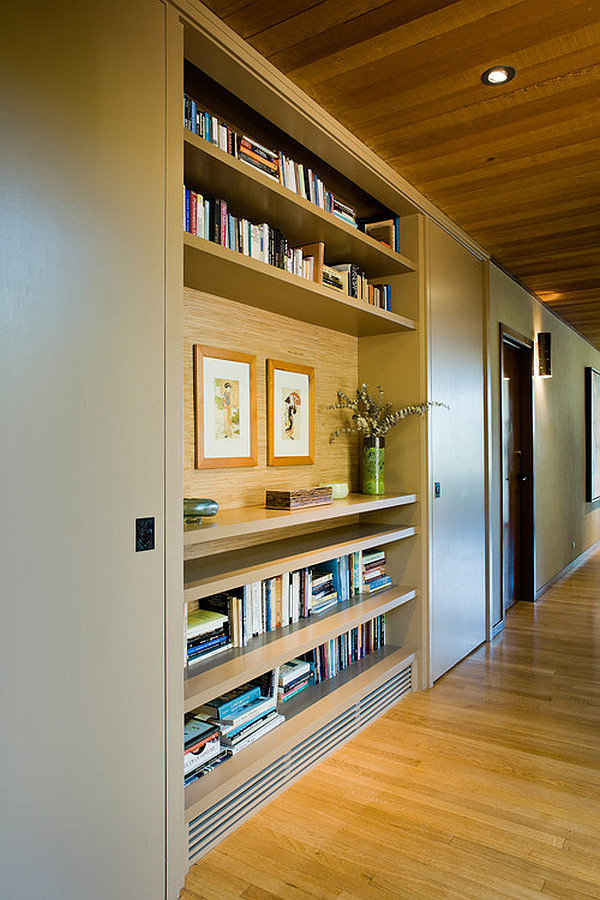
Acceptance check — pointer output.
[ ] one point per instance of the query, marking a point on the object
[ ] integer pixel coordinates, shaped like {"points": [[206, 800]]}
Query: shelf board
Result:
{"points": [[261, 199], [304, 714], [223, 571], [230, 523], [226, 273], [219, 674]]}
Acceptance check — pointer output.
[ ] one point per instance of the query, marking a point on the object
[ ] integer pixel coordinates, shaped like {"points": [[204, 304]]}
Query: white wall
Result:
{"points": [[562, 516], [82, 450]]}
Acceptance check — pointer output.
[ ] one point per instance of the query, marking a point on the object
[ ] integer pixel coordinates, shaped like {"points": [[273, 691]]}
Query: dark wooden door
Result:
{"points": [[517, 473]]}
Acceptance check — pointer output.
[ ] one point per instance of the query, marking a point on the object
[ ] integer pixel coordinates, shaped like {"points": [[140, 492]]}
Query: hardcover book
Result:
{"points": [[231, 702]]}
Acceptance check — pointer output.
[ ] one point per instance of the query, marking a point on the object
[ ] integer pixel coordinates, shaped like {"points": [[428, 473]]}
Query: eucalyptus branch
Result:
{"points": [[372, 417]]}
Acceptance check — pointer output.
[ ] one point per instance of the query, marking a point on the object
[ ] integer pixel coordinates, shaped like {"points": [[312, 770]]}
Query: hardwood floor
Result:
{"points": [[487, 786]]}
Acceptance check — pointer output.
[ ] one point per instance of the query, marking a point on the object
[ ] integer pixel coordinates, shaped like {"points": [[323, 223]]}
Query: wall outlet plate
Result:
{"points": [[144, 534]]}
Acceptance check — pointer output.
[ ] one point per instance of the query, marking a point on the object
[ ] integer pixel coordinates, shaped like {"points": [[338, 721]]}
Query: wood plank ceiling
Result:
{"points": [[516, 166]]}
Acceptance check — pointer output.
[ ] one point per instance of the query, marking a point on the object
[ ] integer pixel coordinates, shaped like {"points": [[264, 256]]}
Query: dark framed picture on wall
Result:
{"points": [[592, 434], [291, 413], [225, 408]]}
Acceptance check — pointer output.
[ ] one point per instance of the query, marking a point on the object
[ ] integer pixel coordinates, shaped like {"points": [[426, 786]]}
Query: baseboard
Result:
{"points": [[578, 561]]}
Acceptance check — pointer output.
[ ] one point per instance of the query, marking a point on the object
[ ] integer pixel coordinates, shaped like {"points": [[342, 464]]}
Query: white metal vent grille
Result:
{"points": [[211, 826]]}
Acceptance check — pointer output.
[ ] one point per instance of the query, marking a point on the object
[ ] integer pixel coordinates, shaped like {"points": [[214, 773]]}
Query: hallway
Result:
{"points": [[488, 786]]}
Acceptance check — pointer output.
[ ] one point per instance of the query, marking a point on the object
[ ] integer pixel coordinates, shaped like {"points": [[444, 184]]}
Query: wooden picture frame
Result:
{"points": [[291, 414], [592, 434], [225, 408]]}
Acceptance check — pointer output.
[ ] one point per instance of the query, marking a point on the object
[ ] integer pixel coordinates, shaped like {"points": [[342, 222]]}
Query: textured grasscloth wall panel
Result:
{"points": [[224, 324]]}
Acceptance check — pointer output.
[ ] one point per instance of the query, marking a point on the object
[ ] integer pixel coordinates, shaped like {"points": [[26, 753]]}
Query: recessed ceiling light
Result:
{"points": [[498, 75]]}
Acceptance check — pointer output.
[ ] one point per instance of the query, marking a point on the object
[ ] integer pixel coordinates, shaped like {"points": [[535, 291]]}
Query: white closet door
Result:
{"points": [[457, 516]]}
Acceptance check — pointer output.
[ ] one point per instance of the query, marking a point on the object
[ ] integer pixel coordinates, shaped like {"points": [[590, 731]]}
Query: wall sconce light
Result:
{"points": [[544, 342]]}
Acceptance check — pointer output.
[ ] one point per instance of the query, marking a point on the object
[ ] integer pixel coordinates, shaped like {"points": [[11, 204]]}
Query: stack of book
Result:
{"points": [[344, 212], [202, 748], [324, 593], [374, 577], [334, 656], [294, 677], [207, 633], [334, 279], [244, 715], [263, 159], [350, 280]]}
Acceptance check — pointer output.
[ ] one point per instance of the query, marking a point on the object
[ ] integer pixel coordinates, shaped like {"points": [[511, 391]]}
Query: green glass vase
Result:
{"points": [[372, 465]]}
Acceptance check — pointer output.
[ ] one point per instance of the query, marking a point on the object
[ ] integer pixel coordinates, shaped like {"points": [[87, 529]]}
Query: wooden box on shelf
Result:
{"points": [[300, 498]]}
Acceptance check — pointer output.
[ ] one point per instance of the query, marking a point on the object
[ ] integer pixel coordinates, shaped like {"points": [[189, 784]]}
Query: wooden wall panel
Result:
{"points": [[224, 324]]}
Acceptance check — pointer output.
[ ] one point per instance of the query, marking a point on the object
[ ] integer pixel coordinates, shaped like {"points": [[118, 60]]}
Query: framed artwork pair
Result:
{"points": [[225, 408]]}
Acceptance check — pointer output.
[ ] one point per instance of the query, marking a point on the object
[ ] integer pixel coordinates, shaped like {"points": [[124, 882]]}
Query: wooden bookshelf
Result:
{"points": [[303, 714], [223, 272], [257, 197], [224, 571], [232, 523], [219, 557], [218, 674]]}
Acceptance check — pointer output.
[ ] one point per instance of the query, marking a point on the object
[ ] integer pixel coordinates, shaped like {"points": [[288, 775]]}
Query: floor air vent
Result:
{"points": [[207, 829]]}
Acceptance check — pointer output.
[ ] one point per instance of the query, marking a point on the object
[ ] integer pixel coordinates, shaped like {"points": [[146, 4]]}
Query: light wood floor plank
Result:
{"points": [[485, 787]]}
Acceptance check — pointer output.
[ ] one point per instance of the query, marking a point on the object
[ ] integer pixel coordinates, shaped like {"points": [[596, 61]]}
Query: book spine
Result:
{"points": [[193, 212]]}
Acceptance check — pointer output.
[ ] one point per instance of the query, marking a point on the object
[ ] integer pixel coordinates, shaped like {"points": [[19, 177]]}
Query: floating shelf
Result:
{"points": [[224, 571], [303, 715], [259, 198], [226, 273], [231, 523], [219, 674]]}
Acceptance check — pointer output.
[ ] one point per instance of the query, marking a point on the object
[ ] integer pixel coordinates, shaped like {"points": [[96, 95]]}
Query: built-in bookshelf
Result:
{"points": [[213, 171], [251, 543], [321, 705]]}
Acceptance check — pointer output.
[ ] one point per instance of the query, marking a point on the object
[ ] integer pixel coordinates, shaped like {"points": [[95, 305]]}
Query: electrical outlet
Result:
{"points": [[572, 545], [144, 534]]}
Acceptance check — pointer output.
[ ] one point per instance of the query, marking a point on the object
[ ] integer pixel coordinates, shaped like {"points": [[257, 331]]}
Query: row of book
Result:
{"points": [[286, 171], [233, 618], [350, 280], [229, 724], [209, 218], [327, 660]]}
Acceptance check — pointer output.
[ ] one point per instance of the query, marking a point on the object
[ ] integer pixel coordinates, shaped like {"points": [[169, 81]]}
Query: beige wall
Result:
{"points": [[566, 525], [82, 344]]}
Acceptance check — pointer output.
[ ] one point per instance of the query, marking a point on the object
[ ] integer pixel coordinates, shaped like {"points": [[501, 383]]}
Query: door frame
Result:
{"points": [[510, 336]]}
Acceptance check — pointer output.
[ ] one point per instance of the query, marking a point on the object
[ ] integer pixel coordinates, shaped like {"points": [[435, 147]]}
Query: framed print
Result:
{"points": [[291, 411], [592, 434], [225, 406]]}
